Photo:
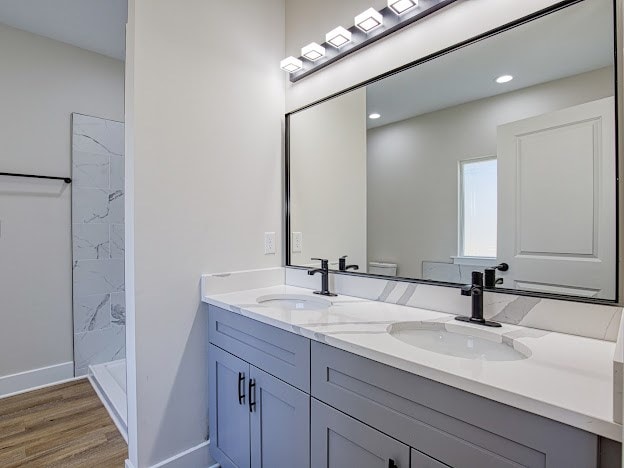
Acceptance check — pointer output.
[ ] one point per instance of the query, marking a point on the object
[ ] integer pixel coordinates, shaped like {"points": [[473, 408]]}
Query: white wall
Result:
{"points": [[41, 83], [204, 114], [455, 23], [414, 161], [328, 180]]}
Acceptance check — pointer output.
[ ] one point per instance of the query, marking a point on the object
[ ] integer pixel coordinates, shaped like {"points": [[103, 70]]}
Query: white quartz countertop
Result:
{"points": [[567, 378]]}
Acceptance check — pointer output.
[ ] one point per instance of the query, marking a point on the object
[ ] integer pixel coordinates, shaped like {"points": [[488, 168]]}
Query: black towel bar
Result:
{"points": [[67, 180]]}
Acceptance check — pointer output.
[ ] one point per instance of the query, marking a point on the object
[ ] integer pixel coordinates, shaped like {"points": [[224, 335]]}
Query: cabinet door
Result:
{"points": [[228, 409], [280, 423], [339, 440]]}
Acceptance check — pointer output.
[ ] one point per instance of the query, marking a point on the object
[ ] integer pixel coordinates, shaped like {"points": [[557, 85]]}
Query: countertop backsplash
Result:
{"points": [[575, 318]]}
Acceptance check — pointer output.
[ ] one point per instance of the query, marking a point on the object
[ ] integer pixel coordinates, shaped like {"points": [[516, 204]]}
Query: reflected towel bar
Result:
{"points": [[67, 180]]}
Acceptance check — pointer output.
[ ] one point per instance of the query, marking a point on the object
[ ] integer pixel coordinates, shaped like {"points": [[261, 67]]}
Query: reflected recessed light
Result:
{"points": [[313, 51], [401, 6], [374, 116], [338, 37], [504, 79], [291, 64], [368, 20]]}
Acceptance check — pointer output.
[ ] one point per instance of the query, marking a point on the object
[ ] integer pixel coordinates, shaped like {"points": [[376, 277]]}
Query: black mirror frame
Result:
{"points": [[619, 167]]}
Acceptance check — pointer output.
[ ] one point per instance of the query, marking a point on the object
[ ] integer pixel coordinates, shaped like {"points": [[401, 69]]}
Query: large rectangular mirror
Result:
{"points": [[503, 150]]}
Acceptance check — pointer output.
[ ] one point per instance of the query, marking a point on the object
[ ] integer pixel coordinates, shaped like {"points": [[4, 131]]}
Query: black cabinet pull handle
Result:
{"points": [[252, 395], [391, 464], [241, 388]]}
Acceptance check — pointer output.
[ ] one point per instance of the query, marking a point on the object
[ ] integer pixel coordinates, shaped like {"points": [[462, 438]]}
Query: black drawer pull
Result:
{"points": [[391, 464], [252, 395], [241, 388]]}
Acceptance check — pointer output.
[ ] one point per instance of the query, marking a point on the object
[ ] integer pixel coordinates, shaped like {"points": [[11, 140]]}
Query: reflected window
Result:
{"points": [[477, 223]]}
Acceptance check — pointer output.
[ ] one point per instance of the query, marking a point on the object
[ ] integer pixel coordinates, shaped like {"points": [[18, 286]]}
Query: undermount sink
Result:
{"points": [[294, 302], [459, 341]]}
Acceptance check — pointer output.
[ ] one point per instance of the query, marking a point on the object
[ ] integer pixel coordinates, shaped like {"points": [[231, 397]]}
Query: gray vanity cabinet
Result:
{"points": [[229, 415], [257, 419], [280, 423], [456, 428], [339, 440], [420, 460], [278, 352], [278, 400]]}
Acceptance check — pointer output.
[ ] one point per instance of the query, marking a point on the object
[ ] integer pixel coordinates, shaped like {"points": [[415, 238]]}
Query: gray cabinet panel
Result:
{"points": [[280, 424], [455, 427], [229, 418], [278, 352], [420, 460], [610, 454], [338, 440]]}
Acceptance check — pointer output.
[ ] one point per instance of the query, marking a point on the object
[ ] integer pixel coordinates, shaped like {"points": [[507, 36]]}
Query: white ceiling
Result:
{"points": [[574, 40], [96, 25]]}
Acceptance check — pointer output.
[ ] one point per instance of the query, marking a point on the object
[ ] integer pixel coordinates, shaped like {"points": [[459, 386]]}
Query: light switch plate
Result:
{"points": [[269, 243], [297, 242]]}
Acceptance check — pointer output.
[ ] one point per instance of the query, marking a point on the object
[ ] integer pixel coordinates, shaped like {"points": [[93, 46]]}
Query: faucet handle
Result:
{"points": [[324, 262], [477, 278], [490, 278]]}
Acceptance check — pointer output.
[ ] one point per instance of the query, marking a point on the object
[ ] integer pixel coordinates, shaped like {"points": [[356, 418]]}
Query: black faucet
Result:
{"points": [[476, 291], [490, 275], [324, 271], [342, 264]]}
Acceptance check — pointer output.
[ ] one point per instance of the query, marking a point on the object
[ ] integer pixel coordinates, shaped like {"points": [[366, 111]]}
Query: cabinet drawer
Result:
{"points": [[339, 440], [455, 427], [278, 352]]}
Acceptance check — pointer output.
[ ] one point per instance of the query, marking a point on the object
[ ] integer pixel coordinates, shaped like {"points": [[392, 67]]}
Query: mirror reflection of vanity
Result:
{"points": [[500, 151]]}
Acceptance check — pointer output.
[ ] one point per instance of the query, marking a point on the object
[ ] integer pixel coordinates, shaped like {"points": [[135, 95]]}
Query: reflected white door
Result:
{"points": [[556, 201]]}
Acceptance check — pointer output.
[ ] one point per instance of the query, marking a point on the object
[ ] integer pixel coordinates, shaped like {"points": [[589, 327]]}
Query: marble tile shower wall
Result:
{"points": [[98, 241]]}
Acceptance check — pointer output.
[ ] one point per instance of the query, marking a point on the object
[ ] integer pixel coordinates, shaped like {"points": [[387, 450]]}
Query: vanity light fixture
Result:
{"points": [[374, 116], [291, 64], [370, 26], [313, 52], [338, 37], [504, 79], [401, 6], [368, 20]]}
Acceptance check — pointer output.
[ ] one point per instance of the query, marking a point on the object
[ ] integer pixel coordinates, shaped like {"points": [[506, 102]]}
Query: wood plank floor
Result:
{"points": [[61, 426]]}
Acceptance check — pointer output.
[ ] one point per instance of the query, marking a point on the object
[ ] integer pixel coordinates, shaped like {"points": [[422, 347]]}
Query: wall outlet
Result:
{"points": [[297, 242], [269, 243]]}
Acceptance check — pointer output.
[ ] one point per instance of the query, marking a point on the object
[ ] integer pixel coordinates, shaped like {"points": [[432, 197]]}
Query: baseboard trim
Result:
{"points": [[14, 384], [197, 456]]}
